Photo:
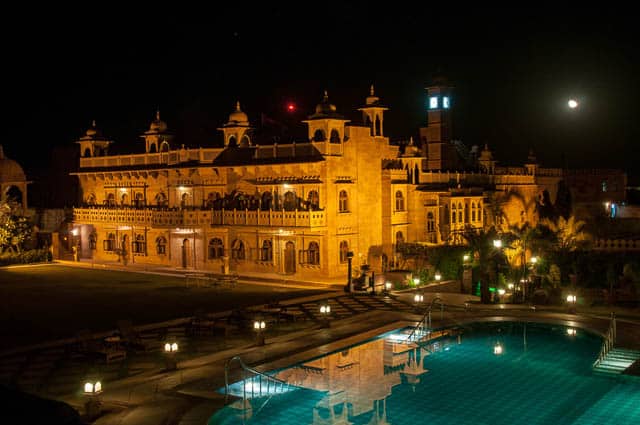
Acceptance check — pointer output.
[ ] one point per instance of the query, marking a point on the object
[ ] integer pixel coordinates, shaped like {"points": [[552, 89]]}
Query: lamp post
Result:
{"points": [[325, 310], [416, 281], [498, 349], [170, 352], [418, 298], [437, 276], [387, 288], [259, 327], [571, 302], [92, 391]]}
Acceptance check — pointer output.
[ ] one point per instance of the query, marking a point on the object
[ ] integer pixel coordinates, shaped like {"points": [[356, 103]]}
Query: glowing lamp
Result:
{"points": [[259, 325], [291, 107], [92, 388], [571, 298], [387, 286], [438, 276], [171, 347], [572, 103], [465, 257], [418, 298], [416, 281], [501, 291], [497, 349], [497, 243], [510, 286], [571, 332], [325, 309], [534, 260]]}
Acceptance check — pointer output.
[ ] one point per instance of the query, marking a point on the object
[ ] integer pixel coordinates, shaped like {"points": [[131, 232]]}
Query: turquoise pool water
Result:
{"points": [[498, 373]]}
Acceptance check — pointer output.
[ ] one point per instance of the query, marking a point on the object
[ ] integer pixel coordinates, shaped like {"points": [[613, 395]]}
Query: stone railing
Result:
{"points": [[269, 218], [123, 216], [171, 157], [617, 244]]}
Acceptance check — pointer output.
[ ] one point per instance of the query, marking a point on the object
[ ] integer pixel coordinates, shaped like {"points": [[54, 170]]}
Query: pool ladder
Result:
{"points": [[423, 328], [609, 340]]}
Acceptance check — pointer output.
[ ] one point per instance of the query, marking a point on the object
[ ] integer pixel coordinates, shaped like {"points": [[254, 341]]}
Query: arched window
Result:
{"points": [[152, 148], [459, 212], [453, 213], [124, 199], [184, 200], [87, 152], [111, 200], [267, 201], [466, 213], [399, 240], [237, 250], [313, 254], [378, 129], [266, 253], [344, 249], [343, 201], [109, 244], [161, 200], [334, 137], [139, 245], [245, 141], [399, 201], [139, 200], [473, 211], [232, 142], [319, 136], [216, 248], [289, 201], [91, 199], [313, 200], [161, 245], [479, 212], [164, 146], [93, 241], [446, 214]]}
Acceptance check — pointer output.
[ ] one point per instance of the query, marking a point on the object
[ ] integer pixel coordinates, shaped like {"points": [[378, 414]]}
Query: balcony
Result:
{"points": [[268, 218]]}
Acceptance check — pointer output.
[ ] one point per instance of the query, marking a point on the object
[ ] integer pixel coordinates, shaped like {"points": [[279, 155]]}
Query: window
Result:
{"points": [[313, 200], [237, 250], [319, 136], [343, 201], [111, 200], [479, 212], [446, 214], [266, 253], [466, 213], [91, 200], [93, 241], [290, 199], [433, 102], [184, 202], [399, 201], [161, 200], [459, 213], [431, 223], [124, 199], [334, 137], [453, 213], [312, 254], [399, 240], [344, 249], [139, 200], [216, 249], [445, 102], [161, 245], [473, 211], [604, 185], [109, 244], [139, 245]]}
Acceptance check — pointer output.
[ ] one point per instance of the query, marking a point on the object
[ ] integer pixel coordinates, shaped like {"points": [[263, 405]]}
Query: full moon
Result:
{"points": [[572, 103]]}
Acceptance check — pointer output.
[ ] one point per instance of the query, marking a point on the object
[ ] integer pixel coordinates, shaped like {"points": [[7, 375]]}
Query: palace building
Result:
{"points": [[299, 208]]}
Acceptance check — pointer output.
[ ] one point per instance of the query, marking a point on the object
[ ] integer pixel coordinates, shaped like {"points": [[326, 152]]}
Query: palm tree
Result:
{"points": [[567, 236], [486, 256]]}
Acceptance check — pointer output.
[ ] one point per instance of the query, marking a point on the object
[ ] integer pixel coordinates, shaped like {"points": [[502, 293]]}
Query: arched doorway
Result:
{"points": [[290, 258], [185, 253], [124, 249]]}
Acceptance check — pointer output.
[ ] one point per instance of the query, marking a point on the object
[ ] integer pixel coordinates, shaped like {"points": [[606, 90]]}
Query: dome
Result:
{"points": [[372, 99], [237, 117], [158, 126], [93, 131], [324, 107], [10, 170]]}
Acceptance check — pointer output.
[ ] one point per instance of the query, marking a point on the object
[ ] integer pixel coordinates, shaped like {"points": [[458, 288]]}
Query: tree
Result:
{"points": [[486, 257], [567, 235], [15, 229]]}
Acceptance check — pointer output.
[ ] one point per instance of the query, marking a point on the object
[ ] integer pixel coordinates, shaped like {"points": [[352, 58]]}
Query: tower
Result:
{"points": [[373, 114], [236, 130], [157, 138], [436, 137], [326, 125], [93, 143]]}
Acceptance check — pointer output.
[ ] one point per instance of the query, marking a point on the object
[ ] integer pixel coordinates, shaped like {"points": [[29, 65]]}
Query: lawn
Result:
{"points": [[42, 303]]}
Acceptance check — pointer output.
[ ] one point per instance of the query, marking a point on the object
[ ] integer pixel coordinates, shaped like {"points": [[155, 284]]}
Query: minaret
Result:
{"points": [[436, 137], [373, 114], [93, 143], [157, 138], [237, 129]]}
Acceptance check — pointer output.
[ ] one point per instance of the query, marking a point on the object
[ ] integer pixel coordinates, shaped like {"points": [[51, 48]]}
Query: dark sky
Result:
{"points": [[513, 71]]}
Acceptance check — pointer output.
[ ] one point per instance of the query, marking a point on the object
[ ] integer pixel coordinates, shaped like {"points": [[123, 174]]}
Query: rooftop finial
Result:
{"points": [[371, 90], [93, 123], [158, 114], [326, 95], [411, 141], [237, 105]]}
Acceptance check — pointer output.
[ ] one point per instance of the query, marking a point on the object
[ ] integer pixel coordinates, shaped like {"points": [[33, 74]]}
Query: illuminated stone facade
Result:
{"points": [[294, 208]]}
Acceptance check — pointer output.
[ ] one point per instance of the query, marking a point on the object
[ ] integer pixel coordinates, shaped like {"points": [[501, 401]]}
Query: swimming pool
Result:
{"points": [[491, 373]]}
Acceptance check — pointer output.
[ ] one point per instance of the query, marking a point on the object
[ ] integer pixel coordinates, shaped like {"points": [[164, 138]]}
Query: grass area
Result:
{"points": [[40, 303]]}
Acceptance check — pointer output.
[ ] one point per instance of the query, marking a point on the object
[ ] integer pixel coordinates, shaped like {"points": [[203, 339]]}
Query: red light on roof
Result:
{"points": [[291, 107]]}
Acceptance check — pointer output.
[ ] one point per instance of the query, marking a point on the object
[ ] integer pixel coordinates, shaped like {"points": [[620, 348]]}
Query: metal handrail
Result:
{"points": [[246, 368], [609, 340], [427, 317]]}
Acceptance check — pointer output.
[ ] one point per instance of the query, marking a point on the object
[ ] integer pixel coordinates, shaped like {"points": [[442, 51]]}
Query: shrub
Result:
{"points": [[25, 257]]}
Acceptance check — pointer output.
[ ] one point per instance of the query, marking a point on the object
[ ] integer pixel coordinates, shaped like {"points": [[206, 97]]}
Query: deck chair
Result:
{"points": [[94, 349]]}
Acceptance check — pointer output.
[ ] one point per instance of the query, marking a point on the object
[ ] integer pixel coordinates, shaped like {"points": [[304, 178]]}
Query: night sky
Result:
{"points": [[513, 70]]}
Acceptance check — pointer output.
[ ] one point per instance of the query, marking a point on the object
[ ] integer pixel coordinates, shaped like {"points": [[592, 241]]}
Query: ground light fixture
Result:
{"points": [[259, 326], [497, 349], [170, 352], [92, 391], [325, 310], [418, 298], [416, 281], [437, 276], [465, 257], [571, 301], [387, 286], [571, 332]]}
